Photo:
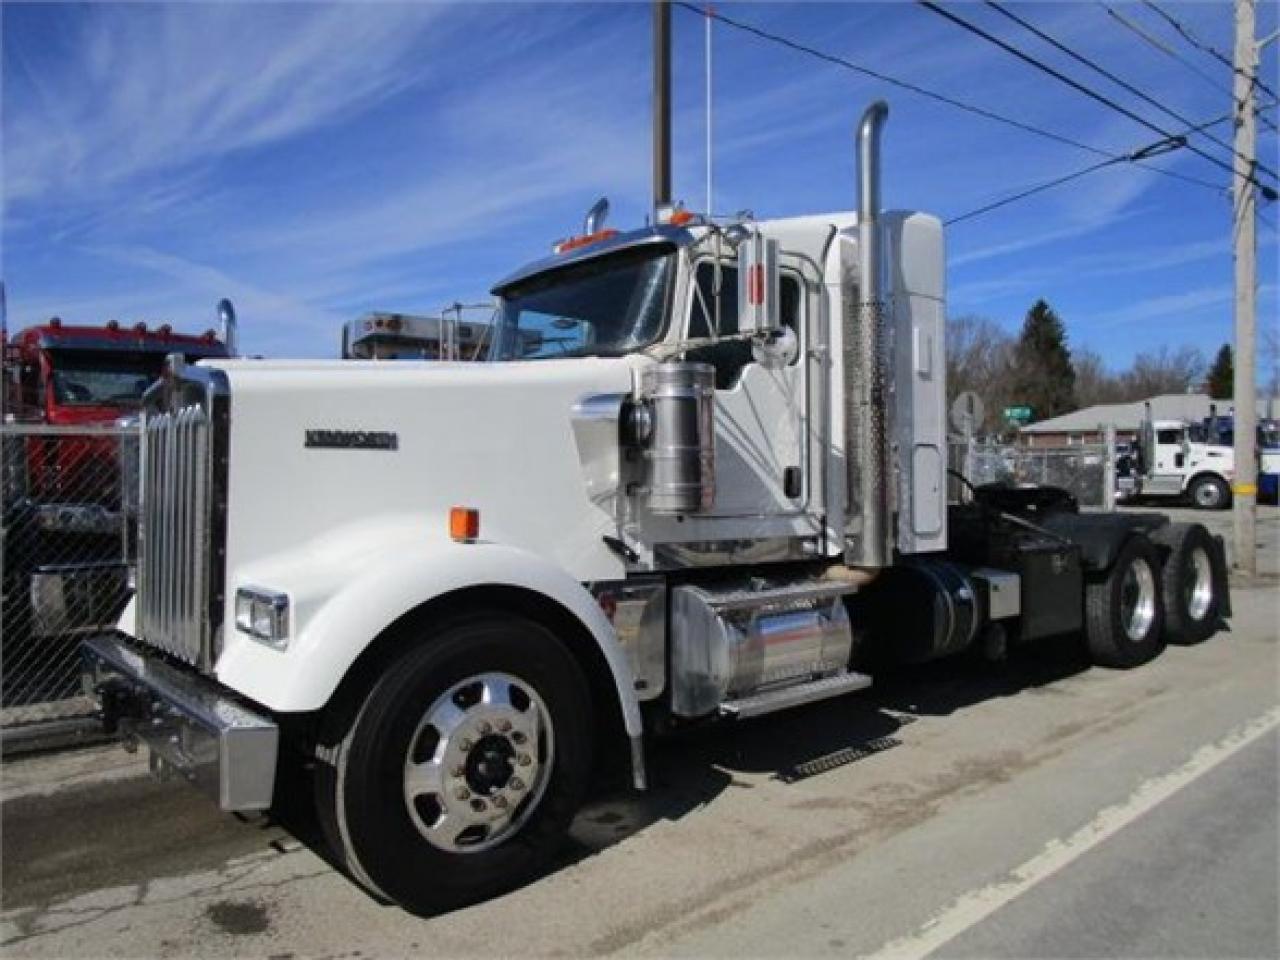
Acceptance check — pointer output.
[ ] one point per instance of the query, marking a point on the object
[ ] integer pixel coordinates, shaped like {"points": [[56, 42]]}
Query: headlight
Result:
{"points": [[263, 615]]}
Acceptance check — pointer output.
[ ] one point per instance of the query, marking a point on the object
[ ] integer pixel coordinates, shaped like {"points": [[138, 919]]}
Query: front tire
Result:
{"points": [[1190, 582], [1124, 619], [458, 775], [1210, 493]]}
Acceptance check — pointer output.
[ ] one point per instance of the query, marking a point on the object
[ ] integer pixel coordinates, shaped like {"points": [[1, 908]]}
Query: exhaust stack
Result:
{"points": [[596, 217], [227, 317], [867, 526]]}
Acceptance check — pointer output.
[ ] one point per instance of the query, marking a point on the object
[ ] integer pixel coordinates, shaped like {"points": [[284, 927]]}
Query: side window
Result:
{"points": [[31, 385], [730, 356], [1172, 437], [547, 335]]}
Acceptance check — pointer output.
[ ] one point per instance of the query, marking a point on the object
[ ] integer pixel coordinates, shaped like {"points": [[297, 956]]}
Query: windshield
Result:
{"points": [[605, 307], [96, 378]]}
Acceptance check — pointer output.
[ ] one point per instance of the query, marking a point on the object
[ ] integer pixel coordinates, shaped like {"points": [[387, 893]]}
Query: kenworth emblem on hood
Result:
{"points": [[353, 439]]}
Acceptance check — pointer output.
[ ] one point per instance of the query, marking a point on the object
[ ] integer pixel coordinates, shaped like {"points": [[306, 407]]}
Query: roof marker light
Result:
{"points": [[575, 243]]}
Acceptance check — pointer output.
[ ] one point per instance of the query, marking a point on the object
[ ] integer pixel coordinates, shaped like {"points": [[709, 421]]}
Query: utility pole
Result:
{"points": [[1244, 232], [661, 103]]}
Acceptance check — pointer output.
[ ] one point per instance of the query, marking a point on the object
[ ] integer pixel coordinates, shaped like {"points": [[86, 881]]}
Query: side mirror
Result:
{"points": [[758, 282]]}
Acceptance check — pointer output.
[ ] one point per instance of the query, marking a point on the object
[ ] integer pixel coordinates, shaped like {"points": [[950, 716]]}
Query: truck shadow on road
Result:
{"points": [[691, 768]]}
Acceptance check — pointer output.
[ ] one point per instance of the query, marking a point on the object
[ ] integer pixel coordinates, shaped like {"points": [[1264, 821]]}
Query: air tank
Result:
{"points": [[679, 455]]}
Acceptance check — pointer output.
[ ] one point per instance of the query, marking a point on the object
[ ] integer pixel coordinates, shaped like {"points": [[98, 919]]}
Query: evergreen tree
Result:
{"points": [[1222, 375], [1043, 375]]}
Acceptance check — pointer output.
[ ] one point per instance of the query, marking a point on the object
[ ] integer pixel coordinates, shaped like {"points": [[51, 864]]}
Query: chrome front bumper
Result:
{"points": [[191, 725]]}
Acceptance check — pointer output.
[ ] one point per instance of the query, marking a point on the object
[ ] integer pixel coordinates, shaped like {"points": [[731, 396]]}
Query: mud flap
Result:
{"points": [[1221, 584]]}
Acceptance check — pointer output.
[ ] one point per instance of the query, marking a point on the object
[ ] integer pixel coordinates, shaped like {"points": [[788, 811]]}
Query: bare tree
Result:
{"points": [[1269, 354], [979, 358], [1164, 371], [1094, 382]]}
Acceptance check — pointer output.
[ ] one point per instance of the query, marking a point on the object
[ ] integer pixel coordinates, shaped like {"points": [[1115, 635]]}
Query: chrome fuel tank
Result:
{"points": [[731, 642]]}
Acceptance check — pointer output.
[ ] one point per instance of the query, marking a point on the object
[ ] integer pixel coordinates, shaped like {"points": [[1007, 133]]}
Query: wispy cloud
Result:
{"points": [[160, 86], [312, 161], [1186, 307]]}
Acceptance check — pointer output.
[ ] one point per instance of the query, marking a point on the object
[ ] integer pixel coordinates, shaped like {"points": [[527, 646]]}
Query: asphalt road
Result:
{"points": [[1035, 808]]}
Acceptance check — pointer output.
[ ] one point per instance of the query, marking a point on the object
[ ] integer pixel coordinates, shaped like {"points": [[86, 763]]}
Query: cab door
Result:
{"points": [[761, 398]]}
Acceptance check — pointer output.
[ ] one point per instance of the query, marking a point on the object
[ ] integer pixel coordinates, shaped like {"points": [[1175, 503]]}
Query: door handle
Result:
{"points": [[791, 482]]}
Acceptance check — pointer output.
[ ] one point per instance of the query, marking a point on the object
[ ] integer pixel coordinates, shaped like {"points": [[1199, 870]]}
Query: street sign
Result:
{"points": [[967, 411], [1018, 414]]}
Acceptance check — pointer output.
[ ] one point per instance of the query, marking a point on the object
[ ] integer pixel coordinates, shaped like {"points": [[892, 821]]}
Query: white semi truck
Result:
{"points": [[705, 480], [1176, 460], [460, 332]]}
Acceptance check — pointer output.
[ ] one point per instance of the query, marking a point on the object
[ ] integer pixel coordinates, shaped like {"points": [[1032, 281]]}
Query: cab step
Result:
{"points": [[781, 698]]}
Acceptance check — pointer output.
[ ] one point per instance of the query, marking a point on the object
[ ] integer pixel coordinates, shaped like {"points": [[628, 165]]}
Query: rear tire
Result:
{"points": [[420, 820], [1190, 582], [1123, 614], [1210, 493]]}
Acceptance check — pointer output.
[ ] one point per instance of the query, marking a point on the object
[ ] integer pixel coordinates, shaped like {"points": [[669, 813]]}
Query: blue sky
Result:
{"points": [[316, 161]]}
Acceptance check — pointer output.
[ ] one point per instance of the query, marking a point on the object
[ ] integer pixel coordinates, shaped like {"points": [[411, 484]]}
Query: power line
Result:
{"points": [[1200, 45], [924, 92], [1165, 48], [1267, 192], [1030, 192], [1150, 150], [1168, 51], [1080, 58]]}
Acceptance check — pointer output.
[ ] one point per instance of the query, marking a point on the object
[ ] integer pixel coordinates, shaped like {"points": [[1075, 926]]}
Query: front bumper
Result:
{"points": [[192, 726]]}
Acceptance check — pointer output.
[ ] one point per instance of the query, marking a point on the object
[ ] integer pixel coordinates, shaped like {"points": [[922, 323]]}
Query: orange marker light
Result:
{"points": [[679, 218], [464, 524], [574, 243]]}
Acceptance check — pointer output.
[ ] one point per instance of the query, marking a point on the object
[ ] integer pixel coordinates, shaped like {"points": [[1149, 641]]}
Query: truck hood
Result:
{"points": [[322, 451]]}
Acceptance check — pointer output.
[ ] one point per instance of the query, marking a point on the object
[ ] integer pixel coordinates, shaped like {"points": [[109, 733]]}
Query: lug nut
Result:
{"points": [[486, 726], [504, 726], [465, 745], [518, 737], [524, 760], [459, 771], [500, 802], [478, 806], [516, 783], [462, 793]]}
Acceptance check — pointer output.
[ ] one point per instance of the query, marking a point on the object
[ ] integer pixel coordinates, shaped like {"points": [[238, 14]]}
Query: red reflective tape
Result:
{"points": [[755, 285]]}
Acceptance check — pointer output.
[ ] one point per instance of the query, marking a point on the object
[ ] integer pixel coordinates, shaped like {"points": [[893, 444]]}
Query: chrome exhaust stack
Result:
{"points": [[227, 317], [596, 216], [867, 521]]}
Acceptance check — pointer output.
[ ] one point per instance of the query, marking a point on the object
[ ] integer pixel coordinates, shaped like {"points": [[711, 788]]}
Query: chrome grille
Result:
{"points": [[174, 542]]}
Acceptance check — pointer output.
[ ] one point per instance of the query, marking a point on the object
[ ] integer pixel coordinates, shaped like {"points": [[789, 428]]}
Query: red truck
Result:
{"points": [[70, 392]]}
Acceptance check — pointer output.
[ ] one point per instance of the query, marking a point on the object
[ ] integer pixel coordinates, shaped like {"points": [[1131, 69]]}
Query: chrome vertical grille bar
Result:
{"points": [[174, 555]]}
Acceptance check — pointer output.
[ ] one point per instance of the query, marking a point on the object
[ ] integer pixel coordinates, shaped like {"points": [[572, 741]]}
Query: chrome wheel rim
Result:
{"points": [[1207, 495], [1138, 599], [1199, 584], [478, 763]]}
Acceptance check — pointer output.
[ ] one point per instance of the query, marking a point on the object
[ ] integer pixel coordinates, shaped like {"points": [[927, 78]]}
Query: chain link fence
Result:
{"points": [[68, 539], [1086, 470]]}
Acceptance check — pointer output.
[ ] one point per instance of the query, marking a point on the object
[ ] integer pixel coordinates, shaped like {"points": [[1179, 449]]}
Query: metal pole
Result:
{"points": [[710, 207], [661, 103], [4, 346], [1244, 228], [1109, 468]]}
